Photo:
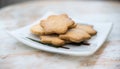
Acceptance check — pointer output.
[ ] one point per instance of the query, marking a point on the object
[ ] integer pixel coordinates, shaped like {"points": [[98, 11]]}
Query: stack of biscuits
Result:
{"points": [[61, 29]]}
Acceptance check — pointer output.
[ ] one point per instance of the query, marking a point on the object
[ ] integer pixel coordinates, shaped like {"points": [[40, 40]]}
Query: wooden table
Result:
{"points": [[15, 55]]}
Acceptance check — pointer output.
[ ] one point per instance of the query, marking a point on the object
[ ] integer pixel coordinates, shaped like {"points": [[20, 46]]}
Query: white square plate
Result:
{"points": [[103, 29]]}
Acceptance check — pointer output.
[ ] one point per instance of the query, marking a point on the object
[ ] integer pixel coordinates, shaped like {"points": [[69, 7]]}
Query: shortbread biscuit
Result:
{"points": [[52, 39], [75, 35], [37, 30], [88, 28], [58, 24], [73, 26]]}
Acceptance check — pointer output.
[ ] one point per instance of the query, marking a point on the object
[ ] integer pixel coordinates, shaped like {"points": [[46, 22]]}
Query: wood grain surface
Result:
{"points": [[15, 55]]}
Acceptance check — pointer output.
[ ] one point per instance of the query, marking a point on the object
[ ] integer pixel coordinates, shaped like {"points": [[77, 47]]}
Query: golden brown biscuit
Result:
{"points": [[51, 39], [58, 24], [75, 35], [88, 28], [73, 26], [37, 30]]}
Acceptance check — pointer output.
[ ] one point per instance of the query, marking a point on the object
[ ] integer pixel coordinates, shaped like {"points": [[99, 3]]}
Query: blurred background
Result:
{"points": [[9, 2]]}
